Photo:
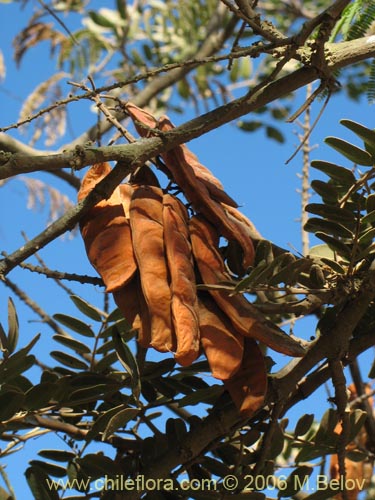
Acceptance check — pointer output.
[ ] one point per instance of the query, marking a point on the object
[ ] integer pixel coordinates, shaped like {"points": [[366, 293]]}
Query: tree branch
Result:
{"points": [[133, 155], [339, 55]]}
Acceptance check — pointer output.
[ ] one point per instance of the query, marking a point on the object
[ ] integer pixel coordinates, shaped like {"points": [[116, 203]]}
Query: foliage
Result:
{"points": [[121, 415]]}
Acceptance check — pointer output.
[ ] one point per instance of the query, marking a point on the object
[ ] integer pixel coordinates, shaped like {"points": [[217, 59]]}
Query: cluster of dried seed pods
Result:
{"points": [[150, 253]]}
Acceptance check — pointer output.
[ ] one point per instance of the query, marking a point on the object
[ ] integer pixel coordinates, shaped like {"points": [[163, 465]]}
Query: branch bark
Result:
{"points": [[339, 55]]}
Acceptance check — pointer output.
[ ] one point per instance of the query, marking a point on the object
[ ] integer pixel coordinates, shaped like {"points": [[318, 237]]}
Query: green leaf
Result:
{"points": [[107, 347], [121, 7], [119, 420], [39, 482], [15, 365], [364, 133], [98, 465], [350, 151], [370, 203], [322, 250], [341, 174], [367, 237], [369, 218], [215, 467], [68, 360], [208, 395], [295, 481], [234, 71], [329, 212], [314, 225], [274, 133], [357, 419], [371, 373], [325, 434], [88, 309], [304, 424], [11, 402], [291, 272], [74, 324], [93, 393], [49, 468], [115, 315], [249, 126], [101, 422], [100, 20], [310, 452], [40, 395], [341, 248], [277, 443], [106, 361], [74, 344], [57, 455], [175, 430], [335, 266], [13, 327], [327, 191], [128, 361], [263, 252], [183, 86], [3, 339]]}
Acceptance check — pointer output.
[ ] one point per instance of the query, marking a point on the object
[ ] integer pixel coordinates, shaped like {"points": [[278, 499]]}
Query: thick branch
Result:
{"points": [[339, 55]]}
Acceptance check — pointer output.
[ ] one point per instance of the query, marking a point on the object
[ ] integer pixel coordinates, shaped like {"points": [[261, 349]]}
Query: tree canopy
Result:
{"points": [[174, 389]]}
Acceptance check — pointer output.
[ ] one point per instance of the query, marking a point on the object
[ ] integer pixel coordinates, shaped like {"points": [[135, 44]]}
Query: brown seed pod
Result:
{"points": [[106, 233], [146, 221], [221, 343], [198, 184], [181, 270], [244, 316], [248, 386]]}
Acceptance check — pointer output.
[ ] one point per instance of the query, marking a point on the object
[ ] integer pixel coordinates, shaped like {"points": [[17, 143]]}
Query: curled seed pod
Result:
{"points": [[221, 343], [181, 270], [146, 221]]}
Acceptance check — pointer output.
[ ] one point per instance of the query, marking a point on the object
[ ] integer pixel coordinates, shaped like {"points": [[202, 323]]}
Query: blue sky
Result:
{"points": [[251, 167]]}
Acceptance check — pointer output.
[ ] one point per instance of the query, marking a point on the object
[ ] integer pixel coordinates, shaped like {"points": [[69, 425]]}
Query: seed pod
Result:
{"points": [[198, 184], [246, 319], [221, 343], [130, 301], [106, 233], [181, 270], [248, 386], [146, 221]]}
